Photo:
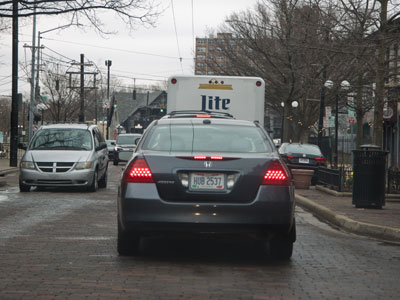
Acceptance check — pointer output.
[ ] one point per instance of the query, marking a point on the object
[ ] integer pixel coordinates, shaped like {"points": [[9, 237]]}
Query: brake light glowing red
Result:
{"points": [[138, 171], [203, 116], [173, 80], [320, 160], [290, 157], [276, 175], [217, 158], [200, 157]]}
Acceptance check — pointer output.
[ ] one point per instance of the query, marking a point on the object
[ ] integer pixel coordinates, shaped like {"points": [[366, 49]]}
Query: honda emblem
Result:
{"points": [[208, 164]]}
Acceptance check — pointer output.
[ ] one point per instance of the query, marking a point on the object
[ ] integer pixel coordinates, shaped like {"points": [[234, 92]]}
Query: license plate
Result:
{"points": [[304, 160], [207, 181]]}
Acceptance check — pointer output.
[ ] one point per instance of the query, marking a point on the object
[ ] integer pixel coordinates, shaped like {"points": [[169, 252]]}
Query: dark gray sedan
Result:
{"points": [[205, 174]]}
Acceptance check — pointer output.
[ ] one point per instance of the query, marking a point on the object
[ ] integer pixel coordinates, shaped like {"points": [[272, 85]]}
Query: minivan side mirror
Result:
{"points": [[101, 146], [22, 146]]}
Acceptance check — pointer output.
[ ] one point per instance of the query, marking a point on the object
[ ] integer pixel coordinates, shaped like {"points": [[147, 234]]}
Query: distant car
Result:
{"points": [[110, 147], [124, 147], [303, 156], [200, 173], [64, 155]]}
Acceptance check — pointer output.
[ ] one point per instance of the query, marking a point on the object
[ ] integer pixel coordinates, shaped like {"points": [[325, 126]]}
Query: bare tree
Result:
{"points": [[284, 42], [130, 12]]}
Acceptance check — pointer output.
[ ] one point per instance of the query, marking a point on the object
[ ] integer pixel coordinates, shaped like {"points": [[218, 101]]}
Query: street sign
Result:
{"points": [[328, 111], [352, 120]]}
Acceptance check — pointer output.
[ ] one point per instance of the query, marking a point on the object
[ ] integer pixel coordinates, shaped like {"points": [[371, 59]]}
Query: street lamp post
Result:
{"points": [[294, 105], [344, 85], [108, 65]]}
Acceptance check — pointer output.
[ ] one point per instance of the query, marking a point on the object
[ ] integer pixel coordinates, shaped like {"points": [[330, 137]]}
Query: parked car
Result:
{"points": [[65, 155], [303, 156], [196, 173], [125, 145], [110, 146]]}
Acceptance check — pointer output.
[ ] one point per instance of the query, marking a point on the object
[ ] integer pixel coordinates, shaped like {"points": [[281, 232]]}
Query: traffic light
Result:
{"points": [[115, 103], [162, 108]]}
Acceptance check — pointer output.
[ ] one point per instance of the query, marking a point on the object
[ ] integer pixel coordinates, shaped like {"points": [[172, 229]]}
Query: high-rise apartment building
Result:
{"points": [[210, 58]]}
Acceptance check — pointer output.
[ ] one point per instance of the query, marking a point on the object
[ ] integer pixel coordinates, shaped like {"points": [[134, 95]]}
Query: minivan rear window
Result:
{"points": [[209, 138]]}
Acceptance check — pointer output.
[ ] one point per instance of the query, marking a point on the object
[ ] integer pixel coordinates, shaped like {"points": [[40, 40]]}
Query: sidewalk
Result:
{"points": [[338, 210], [5, 169], [382, 223]]}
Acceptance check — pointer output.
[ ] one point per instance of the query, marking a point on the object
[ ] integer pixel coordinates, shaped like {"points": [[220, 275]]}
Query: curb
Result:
{"points": [[361, 228], [8, 171], [388, 197]]}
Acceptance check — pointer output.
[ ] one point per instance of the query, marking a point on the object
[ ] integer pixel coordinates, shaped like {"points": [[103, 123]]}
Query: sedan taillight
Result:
{"points": [[276, 175], [138, 171], [320, 160]]}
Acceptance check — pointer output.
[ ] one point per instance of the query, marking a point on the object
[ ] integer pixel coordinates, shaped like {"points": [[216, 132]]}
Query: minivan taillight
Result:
{"points": [[276, 175], [138, 171]]}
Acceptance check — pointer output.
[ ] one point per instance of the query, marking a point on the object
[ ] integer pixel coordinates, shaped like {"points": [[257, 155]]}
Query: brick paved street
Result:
{"points": [[62, 245]]}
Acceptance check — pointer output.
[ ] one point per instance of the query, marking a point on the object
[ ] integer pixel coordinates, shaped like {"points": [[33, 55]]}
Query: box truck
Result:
{"points": [[242, 97]]}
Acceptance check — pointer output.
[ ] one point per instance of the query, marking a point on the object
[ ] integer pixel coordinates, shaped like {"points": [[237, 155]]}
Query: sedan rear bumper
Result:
{"points": [[143, 210]]}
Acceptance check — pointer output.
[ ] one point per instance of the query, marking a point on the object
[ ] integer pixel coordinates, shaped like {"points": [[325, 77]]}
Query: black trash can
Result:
{"points": [[369, 170]]}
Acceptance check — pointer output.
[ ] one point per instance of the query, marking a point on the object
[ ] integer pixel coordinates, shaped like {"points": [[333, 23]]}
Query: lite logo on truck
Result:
{"points": [[214, 103]]}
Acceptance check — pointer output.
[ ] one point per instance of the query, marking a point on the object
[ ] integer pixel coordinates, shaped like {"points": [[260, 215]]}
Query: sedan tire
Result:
{"points": [[281, 246], [128, 242]]}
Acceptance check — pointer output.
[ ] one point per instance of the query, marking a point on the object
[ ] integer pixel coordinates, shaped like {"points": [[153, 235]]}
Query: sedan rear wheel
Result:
{"points": [[128, 242], [281, 245]]}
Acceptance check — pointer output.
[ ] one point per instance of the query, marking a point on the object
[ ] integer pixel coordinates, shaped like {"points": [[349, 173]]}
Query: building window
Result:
{"points": [[220, 58], [200, 64], [201, 49], [201, 41], [210, 73], [201, 57], [199, 73], [220, 65]]}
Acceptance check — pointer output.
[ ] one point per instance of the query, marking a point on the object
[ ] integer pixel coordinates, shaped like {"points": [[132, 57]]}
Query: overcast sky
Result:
{"points": [[148, 54]]}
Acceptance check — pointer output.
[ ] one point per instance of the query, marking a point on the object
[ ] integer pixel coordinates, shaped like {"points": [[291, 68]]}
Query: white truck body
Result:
{"points": [[242, 97]]}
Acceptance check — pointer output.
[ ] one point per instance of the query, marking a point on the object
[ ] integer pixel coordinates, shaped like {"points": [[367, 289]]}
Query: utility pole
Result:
{"points": [[108, 64], [31, 103], [82, 90], [81, 87], [14, 100]]}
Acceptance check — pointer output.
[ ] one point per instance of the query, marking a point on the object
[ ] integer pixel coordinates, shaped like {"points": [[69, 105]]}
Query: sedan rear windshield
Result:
{"points": [[62, 139], [127, 139], [208, 138], [302, 148]]}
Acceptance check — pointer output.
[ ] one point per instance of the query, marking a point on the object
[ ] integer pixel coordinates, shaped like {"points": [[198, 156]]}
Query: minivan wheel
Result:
{"points": [[23, 187], [128, 242], [103, 180], [95, 184]]}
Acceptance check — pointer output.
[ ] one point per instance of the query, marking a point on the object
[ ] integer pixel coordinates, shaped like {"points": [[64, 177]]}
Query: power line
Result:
{"points": [[176, 34], [115, 49]]}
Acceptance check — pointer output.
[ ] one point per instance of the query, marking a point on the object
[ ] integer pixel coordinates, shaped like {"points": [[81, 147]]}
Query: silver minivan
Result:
{"points": [[65, 155]]}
